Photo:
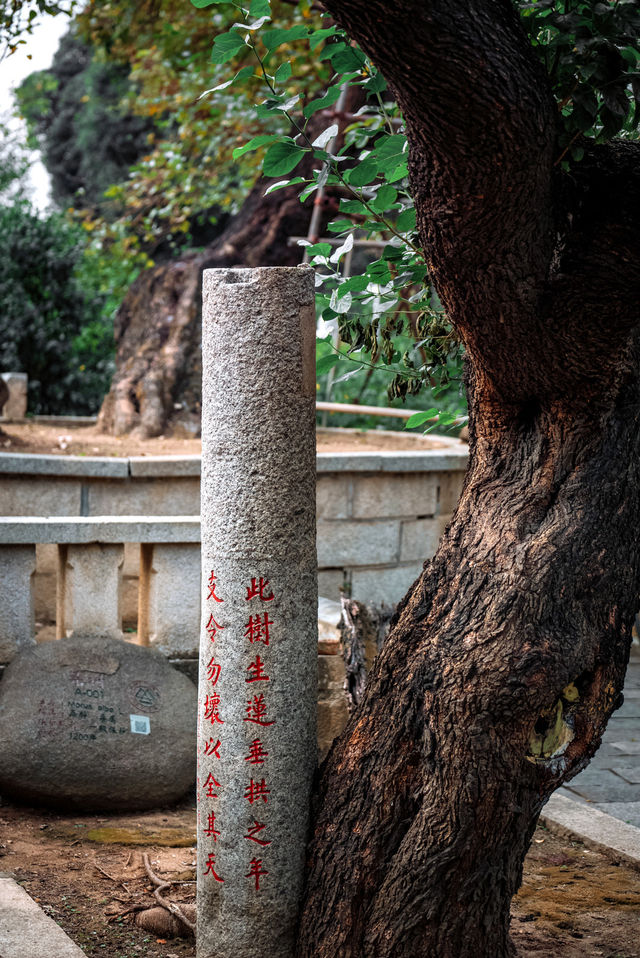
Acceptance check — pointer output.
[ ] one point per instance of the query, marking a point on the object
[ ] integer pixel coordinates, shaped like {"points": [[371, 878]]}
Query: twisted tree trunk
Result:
{"points": [[508, 656], [157, 386]]}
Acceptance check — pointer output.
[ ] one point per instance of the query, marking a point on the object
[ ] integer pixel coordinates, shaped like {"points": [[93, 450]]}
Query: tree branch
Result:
{"points": [[481, 123]]}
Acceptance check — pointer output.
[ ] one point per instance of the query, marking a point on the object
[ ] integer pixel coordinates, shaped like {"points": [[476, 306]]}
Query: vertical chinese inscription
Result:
{"points": [[257, 791], [258, 660], [209, 786]]}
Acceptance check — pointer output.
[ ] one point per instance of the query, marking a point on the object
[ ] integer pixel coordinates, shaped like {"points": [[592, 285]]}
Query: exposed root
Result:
{"points": [[171, 907]]}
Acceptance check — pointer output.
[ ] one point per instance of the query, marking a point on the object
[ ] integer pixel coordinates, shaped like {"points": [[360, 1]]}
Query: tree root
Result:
{"points": [[183, 921]]}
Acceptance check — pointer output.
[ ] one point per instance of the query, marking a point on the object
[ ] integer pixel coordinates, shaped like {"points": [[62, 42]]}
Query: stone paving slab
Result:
{"points": [[626, 747], [611, 782], [595, 828], [25, 930], [628, 812], [428, 460], [106, 529]]}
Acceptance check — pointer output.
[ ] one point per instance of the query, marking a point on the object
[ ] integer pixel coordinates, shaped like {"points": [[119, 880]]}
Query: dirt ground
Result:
{"points": [[87, 872], [65, 440]]}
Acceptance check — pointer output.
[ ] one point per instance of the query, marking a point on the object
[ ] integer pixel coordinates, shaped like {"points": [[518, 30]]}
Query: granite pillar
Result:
{"points": [[258, 645]]}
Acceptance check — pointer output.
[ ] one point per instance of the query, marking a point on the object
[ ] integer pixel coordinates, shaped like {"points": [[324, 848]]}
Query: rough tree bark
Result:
{"points": [[508, 655], [157, 384]]}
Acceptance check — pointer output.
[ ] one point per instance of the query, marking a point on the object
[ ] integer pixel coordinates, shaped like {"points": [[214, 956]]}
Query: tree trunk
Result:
{"points": [[157, 385], [508, 656]]}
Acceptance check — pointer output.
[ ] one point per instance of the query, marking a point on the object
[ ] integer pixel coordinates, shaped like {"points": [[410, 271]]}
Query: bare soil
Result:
{"points": [[87, 872], [65, 440]]}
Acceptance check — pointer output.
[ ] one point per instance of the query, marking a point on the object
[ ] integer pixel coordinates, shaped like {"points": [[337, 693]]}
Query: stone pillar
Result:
{"points": [[17, 620], [169, 598], [258, 651], [89, 590], [16, 405]]}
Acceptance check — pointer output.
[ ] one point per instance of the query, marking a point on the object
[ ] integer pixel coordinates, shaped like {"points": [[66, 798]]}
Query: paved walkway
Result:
{"points": [[25, 930], [611, 781]]}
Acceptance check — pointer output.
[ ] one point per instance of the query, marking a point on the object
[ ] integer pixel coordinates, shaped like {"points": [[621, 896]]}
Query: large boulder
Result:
{"points": [[96, 724]]}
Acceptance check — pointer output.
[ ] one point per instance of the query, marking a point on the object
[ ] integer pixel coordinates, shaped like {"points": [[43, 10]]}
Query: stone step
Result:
{"points": [[25, 930]]}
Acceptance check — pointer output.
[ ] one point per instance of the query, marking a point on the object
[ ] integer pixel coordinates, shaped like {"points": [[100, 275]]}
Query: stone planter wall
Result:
{"points": [[379, 514]]}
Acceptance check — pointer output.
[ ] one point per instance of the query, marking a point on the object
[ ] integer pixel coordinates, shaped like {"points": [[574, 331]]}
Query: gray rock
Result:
{"points": [[15, 405], [96, 724]]}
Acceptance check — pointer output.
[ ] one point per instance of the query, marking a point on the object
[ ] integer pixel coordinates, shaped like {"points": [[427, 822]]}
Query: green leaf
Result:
{"points": [[251, 26], [317, 36], [339, 226], [399, 173], [406, 221], [349, 375], [363, 173], [281, 158], [419, 418], [254, 143], [283, 72], [282, 183], [226, 46], [355, 284], [200, 4], [325, 363], [260, 8], [344, 58], [375, 84], [354, 206], [272, 39], [341, 250], [390, 144], [384, 198], [338, 303], [326, 136], [329, 98], [242, 74]]}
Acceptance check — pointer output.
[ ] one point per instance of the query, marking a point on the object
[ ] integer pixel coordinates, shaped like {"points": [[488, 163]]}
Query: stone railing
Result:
{"points": [[90, 555], [90, 559], [380, 513]]}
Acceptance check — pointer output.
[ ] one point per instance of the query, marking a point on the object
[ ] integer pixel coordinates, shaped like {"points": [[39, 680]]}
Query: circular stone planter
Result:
{"points": [[383, 500]]}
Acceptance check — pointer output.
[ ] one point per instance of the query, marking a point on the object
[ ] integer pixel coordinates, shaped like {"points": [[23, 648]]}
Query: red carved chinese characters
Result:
{"points": [[212, 588], [257, 711], [254, 831], [256, 871], [257, 753], [210, 870], [212, 748], [213, 628], [211, 829], [256, 790], [211, 708], [256, 671], [257, 628], [210, 784], [213, 671], [258, 588]]}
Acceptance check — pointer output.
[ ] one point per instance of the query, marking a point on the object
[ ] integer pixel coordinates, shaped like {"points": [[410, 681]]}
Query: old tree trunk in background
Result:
{"points": [[157, 384], [508, 656]]}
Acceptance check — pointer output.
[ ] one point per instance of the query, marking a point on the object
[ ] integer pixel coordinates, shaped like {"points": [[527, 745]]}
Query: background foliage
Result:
{"points": [[50, 323], [157, 117], [388, 315]]}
